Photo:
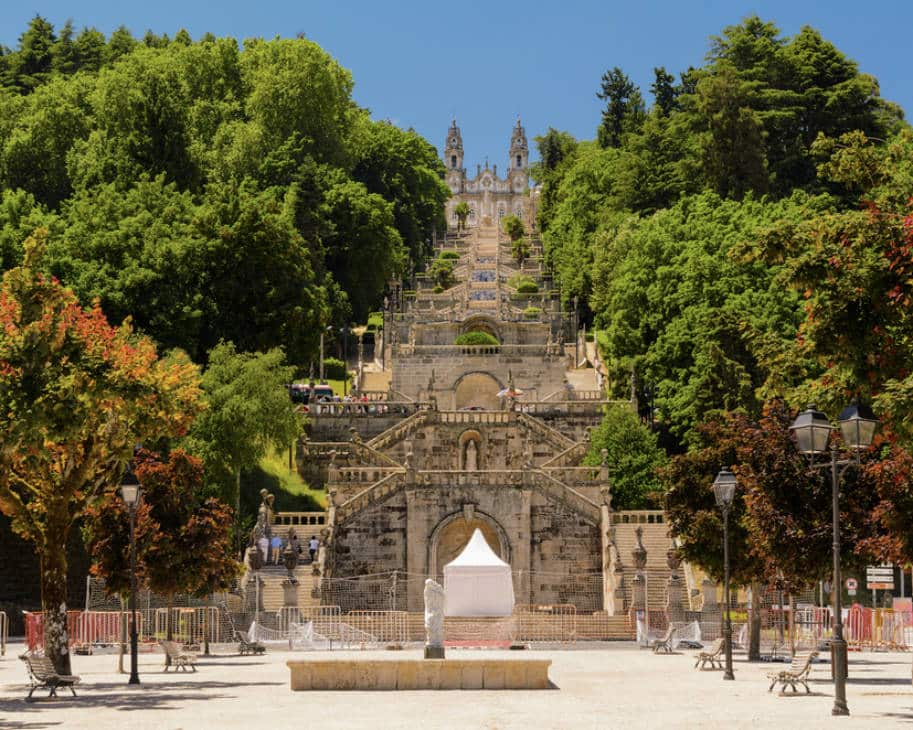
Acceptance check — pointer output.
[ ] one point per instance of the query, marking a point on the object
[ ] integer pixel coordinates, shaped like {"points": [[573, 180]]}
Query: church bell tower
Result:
{"points": [[519, 159], [453, 158]]}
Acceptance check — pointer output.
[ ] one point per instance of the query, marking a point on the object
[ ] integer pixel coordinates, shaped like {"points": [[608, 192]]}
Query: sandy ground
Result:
{"points": [[617, 686]]}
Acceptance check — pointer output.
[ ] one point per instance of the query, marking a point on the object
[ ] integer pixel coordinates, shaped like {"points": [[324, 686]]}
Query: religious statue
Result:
{"points": [[434, 620], [472, 456]]}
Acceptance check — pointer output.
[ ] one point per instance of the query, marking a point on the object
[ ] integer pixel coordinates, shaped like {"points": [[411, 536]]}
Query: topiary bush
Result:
{"points": [[528, 287], [476, 338], [334, 368], [532, 312], [449, 255]]}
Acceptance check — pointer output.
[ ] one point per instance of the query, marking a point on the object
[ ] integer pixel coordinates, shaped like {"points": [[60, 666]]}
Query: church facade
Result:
{"points": [[489, 196]]}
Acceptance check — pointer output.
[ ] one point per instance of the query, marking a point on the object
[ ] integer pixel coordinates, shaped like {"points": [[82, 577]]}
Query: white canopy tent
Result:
{"points": [[477, 582]]}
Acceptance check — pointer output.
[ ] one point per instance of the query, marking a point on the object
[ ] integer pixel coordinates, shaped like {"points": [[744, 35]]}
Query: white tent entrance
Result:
{"points": [[477, 582]]}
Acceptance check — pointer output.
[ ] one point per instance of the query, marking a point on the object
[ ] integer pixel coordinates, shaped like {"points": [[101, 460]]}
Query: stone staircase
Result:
{"points": [[272, 595], [656, 541]]}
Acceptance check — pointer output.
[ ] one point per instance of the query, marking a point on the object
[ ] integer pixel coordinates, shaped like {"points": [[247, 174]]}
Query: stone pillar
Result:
{"points": [[522, 557], [708, 588], [289, 593], [416, 550], [606, 533]]}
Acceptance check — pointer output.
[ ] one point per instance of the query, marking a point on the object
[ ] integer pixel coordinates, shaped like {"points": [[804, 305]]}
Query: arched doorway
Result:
{"points": [[477, 390], [453, 532]]}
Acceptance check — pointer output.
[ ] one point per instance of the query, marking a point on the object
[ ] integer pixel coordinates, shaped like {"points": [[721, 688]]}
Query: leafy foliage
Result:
{"points": [[75, 396], [633, 456], [476, 338]]}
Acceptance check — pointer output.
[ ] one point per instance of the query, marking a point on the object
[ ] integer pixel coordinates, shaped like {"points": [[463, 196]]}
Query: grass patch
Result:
{"points": [[291, 492]]}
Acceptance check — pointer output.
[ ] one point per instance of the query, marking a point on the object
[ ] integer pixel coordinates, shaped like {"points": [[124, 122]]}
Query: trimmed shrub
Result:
{"points": [[528, 287], [438, 289], [476, 338], [449, 255], [375, 321], [334, 368], [532, 312]]}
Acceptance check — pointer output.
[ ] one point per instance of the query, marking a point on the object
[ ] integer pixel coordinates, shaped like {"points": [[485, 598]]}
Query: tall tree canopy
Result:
{"points": [[76, 395]]}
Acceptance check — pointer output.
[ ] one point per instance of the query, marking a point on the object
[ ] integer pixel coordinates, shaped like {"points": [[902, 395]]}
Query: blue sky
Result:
{"points": [[418, 63]]}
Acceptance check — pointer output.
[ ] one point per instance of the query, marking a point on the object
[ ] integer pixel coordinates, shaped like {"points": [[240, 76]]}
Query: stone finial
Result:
{"points": [[605, 494], [353, 435], [290, 560], [673, 559]]}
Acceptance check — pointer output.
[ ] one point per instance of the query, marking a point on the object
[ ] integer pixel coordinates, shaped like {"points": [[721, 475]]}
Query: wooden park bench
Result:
{"points": [[177, 657], [42, 674], [246, 646], [665, 643], [712, 655], [796, 674]]}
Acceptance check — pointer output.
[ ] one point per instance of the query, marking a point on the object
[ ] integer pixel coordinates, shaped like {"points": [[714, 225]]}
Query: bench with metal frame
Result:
{"points": [[43, 674]]}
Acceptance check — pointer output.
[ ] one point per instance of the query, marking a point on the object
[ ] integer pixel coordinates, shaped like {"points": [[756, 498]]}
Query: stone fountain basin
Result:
{"points": [[409, 673]]}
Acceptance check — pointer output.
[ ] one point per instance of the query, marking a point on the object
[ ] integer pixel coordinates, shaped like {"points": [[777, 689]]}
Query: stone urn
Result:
{"points": [[290, 560]]}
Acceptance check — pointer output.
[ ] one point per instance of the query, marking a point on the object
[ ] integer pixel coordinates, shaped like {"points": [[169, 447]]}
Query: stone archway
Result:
{"points": [[453, 532], [477, 390]]}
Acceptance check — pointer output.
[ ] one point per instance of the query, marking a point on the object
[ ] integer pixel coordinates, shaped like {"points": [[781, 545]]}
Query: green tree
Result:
{"points": [[663, 90], [624, 110], [513, 227], [461, 210], [248, 414], [633, 456], [75, 396]]}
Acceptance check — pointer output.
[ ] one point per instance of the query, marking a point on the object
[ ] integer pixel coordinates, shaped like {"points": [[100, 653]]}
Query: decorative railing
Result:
{"points": [[567, 496], [642, 517], [361, 474], [569, 456], [291, 519], [589, 476], [454, 477], [450, 350], [400, 431], [371, 408], [555, 438], [572, 407], [480, 417], [374, 494]]}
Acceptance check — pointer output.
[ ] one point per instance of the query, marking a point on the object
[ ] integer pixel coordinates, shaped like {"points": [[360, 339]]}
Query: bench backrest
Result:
{"points": [[717, 646], [171, 648], [802, 662], [670, 632], [41, 667]]}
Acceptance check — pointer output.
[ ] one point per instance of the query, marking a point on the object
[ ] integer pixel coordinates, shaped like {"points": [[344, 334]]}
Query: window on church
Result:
{"points": [[519, 161], [453, 161]]}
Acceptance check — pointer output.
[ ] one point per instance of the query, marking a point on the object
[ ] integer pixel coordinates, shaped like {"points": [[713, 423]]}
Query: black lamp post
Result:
{"points": [[131, 494], [724, 490], [812, 430]]}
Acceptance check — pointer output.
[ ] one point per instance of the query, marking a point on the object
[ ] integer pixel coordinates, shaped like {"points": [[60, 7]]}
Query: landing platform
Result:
{"points": [[404, 673]]}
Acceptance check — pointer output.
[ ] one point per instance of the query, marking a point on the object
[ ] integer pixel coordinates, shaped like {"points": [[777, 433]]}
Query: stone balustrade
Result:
{"points": [[360, 474], [291, 519], [641, 516]]}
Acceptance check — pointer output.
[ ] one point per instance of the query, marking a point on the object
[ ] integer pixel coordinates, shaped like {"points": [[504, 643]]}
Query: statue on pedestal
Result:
{"points": [[434, 620]]}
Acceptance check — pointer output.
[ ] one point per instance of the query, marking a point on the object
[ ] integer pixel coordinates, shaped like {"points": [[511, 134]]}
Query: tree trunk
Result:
{"points": [[54, 601], [754, 628]]}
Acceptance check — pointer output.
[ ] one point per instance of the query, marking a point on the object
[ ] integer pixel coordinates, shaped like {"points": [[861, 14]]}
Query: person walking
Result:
{"points": [[313, 544]]}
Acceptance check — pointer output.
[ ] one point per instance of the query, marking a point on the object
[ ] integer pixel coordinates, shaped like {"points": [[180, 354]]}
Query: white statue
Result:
{"points": [[472, 456], [434, 615]]}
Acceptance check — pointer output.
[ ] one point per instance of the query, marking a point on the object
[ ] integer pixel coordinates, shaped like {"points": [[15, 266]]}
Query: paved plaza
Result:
{"points": [[619, 686]]}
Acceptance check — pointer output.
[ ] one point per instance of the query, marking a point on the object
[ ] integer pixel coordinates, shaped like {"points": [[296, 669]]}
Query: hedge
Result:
{"points": [[476, 338]]}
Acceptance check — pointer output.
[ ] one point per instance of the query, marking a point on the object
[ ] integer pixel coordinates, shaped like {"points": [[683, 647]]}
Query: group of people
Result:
{"points": [[272, 548]]}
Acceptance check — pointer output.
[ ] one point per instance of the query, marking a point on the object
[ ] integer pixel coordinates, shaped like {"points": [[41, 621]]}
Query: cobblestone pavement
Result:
{"points": [[618, 686]]}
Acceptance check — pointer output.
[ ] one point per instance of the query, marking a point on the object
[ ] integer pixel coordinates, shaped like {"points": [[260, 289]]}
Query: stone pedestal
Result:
{"points": [[708, 588], [640, 592], [289, 593], [434, 652], [674, 598]]}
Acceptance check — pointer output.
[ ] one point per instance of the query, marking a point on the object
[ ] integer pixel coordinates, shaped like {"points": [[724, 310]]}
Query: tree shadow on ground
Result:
{"points": [[17, 725], [908, 715], [119, 697]]}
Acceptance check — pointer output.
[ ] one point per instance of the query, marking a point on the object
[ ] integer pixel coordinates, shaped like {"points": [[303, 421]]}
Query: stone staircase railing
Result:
{"points": [[571, 456], [553, 437], [572, 499], [375, 494], [399, 432]]}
